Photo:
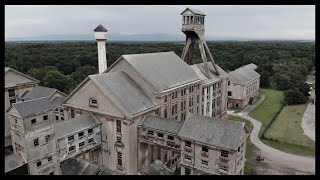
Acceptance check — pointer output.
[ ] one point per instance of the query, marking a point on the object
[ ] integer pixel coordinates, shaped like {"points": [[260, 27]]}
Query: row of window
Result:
{"points": [[80, 134], [81, 145], [192, 19], [151, 133], [34, 121], [39, 163], [174, 94], [48, 138]]}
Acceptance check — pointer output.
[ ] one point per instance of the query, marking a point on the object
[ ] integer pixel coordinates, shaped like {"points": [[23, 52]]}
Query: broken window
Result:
{"points": [[204, 162], [187, 171], [38, 163], [12, 92], [150, 133], [81, 144], [205, 149], [72, 113], [72, 148], [170, 138], [36, 142], [160, 135], [224, 153], [80, 134], [165, 98], [188, 143], [93, 102], [165, 112], [119, 158], [47, 138], [90, 140], [229, 93], [70, 138], [119, 139], [50, 159], [33, 121], [187, 157], [57, 117], [45, 117], [118, 126], [90, 131]]}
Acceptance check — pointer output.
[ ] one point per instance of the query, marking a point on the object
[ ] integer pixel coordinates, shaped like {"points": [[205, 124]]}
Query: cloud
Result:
{"points": [[221, 21]]}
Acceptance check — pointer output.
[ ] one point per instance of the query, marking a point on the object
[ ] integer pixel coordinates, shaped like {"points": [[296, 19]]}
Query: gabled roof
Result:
{"points": [[195, 11], [41, 91], [251, 66], [162, 70], [32, 80], [76, 124], [100, 28], [127, 95], [212, 131], [244, 74], [162, 124], [30, 107]]}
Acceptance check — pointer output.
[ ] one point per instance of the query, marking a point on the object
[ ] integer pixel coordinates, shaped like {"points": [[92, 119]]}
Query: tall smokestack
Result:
{"points": [[100, 34]]}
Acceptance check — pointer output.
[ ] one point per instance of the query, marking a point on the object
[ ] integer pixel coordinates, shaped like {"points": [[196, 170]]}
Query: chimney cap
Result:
{"points": [[100, 28]]}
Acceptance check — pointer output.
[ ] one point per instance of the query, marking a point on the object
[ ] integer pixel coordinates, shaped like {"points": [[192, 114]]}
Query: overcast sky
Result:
{"points": [[294, 22]]}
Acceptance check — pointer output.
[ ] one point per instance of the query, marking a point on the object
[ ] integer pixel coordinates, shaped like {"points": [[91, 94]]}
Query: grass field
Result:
{"points": [[268, 108], [287, 129]]}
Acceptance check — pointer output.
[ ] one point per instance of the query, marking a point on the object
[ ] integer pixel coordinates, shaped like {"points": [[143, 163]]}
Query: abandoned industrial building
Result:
{"points": [[149, 113]]}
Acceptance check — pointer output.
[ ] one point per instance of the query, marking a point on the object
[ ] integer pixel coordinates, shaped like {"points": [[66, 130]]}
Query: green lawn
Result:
{"points": [[287, 129], [268, 108]]}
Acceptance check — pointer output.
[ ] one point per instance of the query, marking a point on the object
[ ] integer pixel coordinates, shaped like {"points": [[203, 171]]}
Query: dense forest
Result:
{"points": [[283, 65]]}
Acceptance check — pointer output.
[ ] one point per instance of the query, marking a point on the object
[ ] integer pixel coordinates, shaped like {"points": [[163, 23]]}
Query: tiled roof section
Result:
{"points": [[39, 92], [58, 101], [127, 95], [12, 162], [30, 107], [164, 70], [162, 124], [100, 28], [212, 131], [75, 125], [244, 74], [195, 11]]}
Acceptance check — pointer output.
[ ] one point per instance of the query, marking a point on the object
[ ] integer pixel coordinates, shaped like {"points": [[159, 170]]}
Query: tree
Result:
{"points": [[294, 96], [82, 72], [55, 79]]}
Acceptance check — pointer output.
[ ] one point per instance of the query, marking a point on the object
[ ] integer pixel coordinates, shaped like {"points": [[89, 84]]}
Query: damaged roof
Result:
{"points": [[212, 131], [75, 125], [163, 70], [58, 101], [162, 124], [31, 107], [75, 166], [127, 95]]}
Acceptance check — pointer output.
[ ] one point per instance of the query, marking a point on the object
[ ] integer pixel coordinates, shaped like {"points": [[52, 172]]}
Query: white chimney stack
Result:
{"points": [[100, 34]]}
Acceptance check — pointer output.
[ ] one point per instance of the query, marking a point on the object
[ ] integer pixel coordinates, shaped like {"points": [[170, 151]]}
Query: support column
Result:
{"points": [[204, 57], [210, 103], [205, 101]]}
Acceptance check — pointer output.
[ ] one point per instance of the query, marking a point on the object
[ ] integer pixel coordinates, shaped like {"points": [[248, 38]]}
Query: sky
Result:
{"points": [[243, 21]]}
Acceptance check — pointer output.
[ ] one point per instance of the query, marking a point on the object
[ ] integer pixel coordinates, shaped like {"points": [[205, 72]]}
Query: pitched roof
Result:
{"points": [[244, 74], [162, 124], [58, 101], [100, 28], [32, 80], [13, 162], [195, 11], [30, 107], [163, 70], [212, 131], [124, 92], [75, 125], [251, 66], [41, 91], [200, 70]]}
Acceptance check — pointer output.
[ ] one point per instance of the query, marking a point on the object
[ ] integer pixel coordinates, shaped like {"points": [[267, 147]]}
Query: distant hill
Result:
{"points": [[134, 37]]}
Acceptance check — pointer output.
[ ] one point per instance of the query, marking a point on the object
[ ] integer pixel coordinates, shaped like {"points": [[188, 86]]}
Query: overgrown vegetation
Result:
{"points": [[283, 65]]}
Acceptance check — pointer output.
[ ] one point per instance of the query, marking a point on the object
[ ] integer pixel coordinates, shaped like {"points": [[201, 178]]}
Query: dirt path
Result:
{"points": [[273, 156], [308, 121]]}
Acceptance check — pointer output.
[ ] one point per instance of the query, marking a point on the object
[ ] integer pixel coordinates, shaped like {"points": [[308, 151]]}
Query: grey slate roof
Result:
{"points": [[40, 91], [251, 66], [75, 166], [124, 92], [162, 70], [58, 101], [100, 28], [196, 11], [213, 131], [200, 70], [30, 107], [75, 125], [32, 80], [162, 124], [244, 74], [12, 162]]}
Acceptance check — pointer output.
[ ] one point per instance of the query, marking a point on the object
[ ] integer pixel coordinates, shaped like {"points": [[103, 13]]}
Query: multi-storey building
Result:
{"points": [[16, 84], [243, 86]]}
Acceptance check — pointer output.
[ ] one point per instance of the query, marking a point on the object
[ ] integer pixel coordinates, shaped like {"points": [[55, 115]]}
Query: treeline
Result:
{"points": [[282, 64]]}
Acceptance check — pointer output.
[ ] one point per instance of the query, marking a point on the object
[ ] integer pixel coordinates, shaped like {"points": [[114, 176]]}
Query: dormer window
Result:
{"points": [[93, 102]]}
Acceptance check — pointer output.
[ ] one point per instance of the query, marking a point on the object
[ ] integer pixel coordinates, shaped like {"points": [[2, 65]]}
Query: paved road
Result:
{"points": [[274, 156], [308, 121]]}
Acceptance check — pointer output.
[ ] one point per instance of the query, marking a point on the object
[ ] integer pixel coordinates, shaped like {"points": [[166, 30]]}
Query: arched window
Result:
{"points": [[93, 102]]}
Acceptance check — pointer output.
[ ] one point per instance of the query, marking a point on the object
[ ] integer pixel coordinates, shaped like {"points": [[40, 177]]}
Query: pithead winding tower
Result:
{"points": [[193, 28]]}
